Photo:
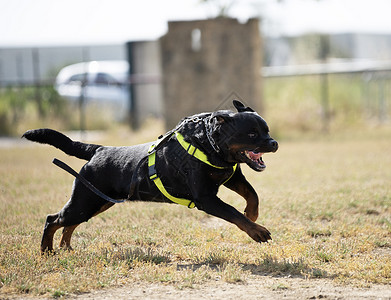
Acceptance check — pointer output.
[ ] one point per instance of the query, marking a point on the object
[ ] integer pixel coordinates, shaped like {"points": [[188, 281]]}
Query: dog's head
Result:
{"points": [[242, 137]]}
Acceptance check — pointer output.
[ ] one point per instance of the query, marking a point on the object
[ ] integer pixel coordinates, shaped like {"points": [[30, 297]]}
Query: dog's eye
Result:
{"points": [[252, 135]]}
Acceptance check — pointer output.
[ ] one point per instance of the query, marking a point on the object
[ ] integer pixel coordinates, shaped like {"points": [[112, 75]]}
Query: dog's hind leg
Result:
{"points": [[65, 241], [51, 226], [67, 232], [103, 208]]}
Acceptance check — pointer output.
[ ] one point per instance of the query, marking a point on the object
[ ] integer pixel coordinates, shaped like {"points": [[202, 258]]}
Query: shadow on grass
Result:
{"points": [[131, 255], [274, 267], [268, 266]]}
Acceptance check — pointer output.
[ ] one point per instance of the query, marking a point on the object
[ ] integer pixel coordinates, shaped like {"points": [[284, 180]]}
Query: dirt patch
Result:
{"points": [[255, 287]]}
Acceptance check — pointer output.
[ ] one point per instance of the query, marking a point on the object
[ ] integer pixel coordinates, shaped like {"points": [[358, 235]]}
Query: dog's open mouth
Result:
{"points": [[254, 160]]}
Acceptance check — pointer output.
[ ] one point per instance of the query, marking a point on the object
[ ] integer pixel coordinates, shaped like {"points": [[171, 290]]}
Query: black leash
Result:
{"points": [[88, 184]]}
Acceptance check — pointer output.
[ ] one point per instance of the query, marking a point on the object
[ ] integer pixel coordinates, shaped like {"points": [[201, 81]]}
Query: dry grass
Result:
{"points": [[327, 202]]}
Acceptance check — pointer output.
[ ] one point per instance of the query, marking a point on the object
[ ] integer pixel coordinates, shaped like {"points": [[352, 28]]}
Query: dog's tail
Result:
{"points": [[62, 142]]}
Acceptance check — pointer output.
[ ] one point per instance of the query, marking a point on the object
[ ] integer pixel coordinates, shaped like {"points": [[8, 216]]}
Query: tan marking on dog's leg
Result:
{"points": [[65, 241], [47, 237], [251, 210], [240, 185], [103, 208]]}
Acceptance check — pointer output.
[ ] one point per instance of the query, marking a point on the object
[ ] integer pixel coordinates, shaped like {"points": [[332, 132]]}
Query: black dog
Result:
{"points": [[186, 166]]}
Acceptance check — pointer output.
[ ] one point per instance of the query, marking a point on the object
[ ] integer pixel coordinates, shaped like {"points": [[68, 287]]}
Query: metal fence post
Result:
{"points": [[133, 107], [324, 54], [382, 102], [37, 83], [82, 99], [324, 89]]}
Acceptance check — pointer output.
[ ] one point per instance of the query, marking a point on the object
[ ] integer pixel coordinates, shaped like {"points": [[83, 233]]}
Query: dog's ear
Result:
{"points": [[220, 117], [240, 106]]}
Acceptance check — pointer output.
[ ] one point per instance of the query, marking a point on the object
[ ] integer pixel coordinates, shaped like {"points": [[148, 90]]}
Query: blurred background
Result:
{"points": [[306, 65]]}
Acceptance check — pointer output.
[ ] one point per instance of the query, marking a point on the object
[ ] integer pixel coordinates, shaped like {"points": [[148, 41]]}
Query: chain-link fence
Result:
{"points": [[329, 94]]}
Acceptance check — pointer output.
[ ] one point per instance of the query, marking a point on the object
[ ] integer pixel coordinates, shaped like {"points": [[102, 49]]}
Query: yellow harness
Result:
{"points": [[197, 153]]}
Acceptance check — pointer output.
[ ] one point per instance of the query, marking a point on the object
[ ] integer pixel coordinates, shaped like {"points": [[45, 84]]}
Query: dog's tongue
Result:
{"points": [[255, 156]]}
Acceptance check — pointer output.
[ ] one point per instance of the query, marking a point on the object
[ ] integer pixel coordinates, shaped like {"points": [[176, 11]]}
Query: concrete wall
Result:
{"points": [[207, 64]]}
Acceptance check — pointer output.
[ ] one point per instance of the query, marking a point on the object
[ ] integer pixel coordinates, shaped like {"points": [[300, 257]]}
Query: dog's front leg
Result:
{"points": [[240, 185], [214, 206]]}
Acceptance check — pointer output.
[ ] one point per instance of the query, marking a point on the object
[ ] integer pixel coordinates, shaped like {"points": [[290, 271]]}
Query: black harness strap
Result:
{"points": [[134, 182]]}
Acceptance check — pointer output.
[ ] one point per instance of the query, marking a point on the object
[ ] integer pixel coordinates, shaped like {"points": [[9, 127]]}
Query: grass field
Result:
{"points": [[326, 201]]}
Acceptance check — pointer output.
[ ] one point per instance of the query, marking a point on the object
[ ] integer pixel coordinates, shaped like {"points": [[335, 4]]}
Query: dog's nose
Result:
{"points": [[274, 145]]}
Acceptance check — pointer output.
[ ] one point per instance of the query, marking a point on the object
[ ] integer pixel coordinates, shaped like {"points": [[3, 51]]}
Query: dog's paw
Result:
{"points": [[259, 233], [48, 253]]}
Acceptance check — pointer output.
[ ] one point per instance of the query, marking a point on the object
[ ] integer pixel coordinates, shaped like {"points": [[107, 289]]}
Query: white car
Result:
{"points": [[105, 82]]}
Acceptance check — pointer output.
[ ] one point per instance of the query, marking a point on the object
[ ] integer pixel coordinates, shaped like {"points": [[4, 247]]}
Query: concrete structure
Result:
{"points": [[208, 63]]}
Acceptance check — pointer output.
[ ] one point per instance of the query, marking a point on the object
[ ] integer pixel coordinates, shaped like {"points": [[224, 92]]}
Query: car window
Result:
{"points": [[77, 78], [104, 79]]}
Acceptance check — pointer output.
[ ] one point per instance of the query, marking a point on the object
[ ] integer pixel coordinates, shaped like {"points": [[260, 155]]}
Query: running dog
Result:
{"points": [[185, 166]]}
